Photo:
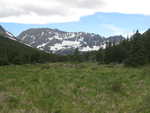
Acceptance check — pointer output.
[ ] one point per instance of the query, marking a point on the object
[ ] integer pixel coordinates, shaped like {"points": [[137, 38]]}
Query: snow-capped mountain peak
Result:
{"points": [[54, 40]]}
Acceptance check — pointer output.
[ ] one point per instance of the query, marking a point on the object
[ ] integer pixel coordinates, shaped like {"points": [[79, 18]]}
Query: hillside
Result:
{"points": [[74, 88], [13, 52]]}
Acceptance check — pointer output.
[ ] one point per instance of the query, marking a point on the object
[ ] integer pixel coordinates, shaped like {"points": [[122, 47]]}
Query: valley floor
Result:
{"points": [[74, 88]]}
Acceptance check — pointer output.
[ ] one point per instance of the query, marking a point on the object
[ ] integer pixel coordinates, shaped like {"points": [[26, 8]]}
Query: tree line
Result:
{"points": [[133, 51]]}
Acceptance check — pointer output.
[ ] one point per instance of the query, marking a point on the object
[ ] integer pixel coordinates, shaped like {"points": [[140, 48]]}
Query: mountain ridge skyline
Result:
{"points": [[54, 40], [105, 24]]}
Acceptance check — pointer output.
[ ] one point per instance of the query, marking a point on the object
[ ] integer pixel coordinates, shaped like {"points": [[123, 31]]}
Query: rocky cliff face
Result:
{"points": [[56, 41]]}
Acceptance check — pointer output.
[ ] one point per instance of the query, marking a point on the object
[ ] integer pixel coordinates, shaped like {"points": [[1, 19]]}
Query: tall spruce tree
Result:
{"points": [[146, 36]]}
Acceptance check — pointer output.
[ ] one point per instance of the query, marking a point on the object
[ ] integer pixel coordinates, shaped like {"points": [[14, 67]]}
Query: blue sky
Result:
{"points": [[105, 24]]}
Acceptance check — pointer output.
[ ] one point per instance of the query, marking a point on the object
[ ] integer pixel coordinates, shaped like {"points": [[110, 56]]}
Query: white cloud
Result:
{"points": [[55, 11], [128, 6]]}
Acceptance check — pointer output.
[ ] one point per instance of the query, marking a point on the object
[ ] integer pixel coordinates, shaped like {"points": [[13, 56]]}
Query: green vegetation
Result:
{"points": [[131, 52], [74, 88], [13, 52]]}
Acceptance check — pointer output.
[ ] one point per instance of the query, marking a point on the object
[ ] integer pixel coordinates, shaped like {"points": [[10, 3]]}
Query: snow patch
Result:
{"points": [[10, 36], [42, 34], [64, 45], [87, 48], [71, 43], [24, 37], [42, 45]]}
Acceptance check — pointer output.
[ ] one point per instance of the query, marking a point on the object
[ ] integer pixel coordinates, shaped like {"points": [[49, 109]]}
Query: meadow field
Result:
{"points": [[74, 88]]}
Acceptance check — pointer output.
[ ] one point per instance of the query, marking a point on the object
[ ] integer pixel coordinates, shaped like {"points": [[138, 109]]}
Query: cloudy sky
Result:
{"points": [[105, 17]]}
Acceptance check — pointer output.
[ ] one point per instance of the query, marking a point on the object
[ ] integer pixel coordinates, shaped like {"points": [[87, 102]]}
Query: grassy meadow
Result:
{"points": [[74, 88]]}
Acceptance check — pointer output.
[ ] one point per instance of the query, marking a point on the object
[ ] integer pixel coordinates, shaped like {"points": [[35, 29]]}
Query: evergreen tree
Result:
{"points": [[137, 54], [100, 56], [76, 55], [146, 36]]}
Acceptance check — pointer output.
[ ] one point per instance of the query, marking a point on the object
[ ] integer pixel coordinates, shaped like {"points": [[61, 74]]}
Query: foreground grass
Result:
{"points": [[74, 88]]}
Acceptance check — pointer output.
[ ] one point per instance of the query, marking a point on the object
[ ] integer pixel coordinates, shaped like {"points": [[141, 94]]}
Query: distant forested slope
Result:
{"points": [[13, 52]]}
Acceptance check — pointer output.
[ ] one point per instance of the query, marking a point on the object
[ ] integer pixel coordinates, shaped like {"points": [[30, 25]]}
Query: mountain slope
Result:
{"points": [[56, 41], [14, 52], [6, 33]]}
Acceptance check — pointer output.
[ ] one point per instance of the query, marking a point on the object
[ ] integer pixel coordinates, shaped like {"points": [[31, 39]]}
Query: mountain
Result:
{"points": [[6, 33], [57, 41], [14, 52]]}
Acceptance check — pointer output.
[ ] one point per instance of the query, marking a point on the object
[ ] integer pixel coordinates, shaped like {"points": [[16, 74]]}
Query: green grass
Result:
{"points": [[74, 88]]}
